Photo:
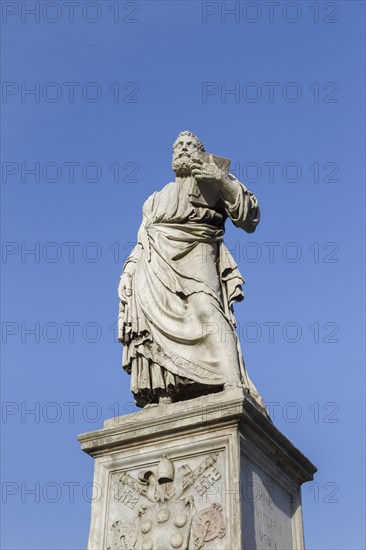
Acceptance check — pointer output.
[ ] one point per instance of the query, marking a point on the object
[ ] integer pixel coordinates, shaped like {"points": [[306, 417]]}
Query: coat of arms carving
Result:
{"points": [[164, 511]]}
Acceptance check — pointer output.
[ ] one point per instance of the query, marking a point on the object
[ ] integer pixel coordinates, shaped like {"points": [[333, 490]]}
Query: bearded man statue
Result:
{"points": [[179, 284]]}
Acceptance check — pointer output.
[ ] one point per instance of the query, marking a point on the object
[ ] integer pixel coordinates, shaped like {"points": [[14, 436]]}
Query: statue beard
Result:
{"points": [[182, 165]]}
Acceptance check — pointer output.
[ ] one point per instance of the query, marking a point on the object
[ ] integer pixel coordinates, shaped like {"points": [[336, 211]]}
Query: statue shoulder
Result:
{"points": [[168, 187], [151, 200]]}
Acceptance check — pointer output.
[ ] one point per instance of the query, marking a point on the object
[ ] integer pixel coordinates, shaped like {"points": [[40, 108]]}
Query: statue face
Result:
{"points": [[184, 150]]}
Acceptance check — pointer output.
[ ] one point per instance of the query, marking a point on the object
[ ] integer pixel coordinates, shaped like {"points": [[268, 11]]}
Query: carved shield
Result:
{"points": [[165, 525], [122, 536]]}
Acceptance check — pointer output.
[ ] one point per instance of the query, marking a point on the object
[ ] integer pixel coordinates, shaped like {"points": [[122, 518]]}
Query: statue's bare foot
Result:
{"points": [[165, 400], [150, 406]]}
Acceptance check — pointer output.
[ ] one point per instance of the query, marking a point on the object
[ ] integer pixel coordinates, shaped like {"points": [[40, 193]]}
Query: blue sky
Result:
{"points": [[111, 91]]}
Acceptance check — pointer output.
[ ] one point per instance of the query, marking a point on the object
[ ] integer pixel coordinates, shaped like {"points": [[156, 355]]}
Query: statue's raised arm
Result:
{"points": [[240, 204]]}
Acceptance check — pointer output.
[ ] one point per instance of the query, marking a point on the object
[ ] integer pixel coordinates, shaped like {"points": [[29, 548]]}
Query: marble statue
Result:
{"points": [[202, 466], [179, 284]]}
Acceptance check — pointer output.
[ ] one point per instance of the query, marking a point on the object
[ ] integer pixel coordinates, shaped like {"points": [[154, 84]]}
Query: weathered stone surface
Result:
{"points": [[268, 509], [211, 473], [179, 284]]}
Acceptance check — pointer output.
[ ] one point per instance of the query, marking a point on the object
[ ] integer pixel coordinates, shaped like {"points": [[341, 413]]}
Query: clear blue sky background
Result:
{"points": [[168, 53]]}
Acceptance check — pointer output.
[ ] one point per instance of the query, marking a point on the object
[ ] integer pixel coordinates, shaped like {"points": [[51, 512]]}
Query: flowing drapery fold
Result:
{"points": [[178, 326]]}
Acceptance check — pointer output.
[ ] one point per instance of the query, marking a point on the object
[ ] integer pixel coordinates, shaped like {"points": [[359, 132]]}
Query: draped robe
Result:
{"points": [[178, 326]]}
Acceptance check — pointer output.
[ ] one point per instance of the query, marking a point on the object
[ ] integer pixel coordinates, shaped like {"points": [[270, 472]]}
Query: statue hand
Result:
{"points": [[125, 287], [207, 171]]}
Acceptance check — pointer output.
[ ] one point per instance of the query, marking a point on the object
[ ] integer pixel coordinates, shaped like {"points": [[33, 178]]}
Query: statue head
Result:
{"points": [[184, 149]]}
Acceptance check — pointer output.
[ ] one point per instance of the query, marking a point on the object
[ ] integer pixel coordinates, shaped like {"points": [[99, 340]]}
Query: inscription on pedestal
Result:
{"points": [[267, 510]]}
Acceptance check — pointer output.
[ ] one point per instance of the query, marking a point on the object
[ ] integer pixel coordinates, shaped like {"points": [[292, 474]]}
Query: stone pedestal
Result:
{"points": [[211, 473]]}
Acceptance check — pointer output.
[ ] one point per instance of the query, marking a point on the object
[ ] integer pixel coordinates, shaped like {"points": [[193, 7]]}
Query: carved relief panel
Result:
{"points": [[174, 504]]}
